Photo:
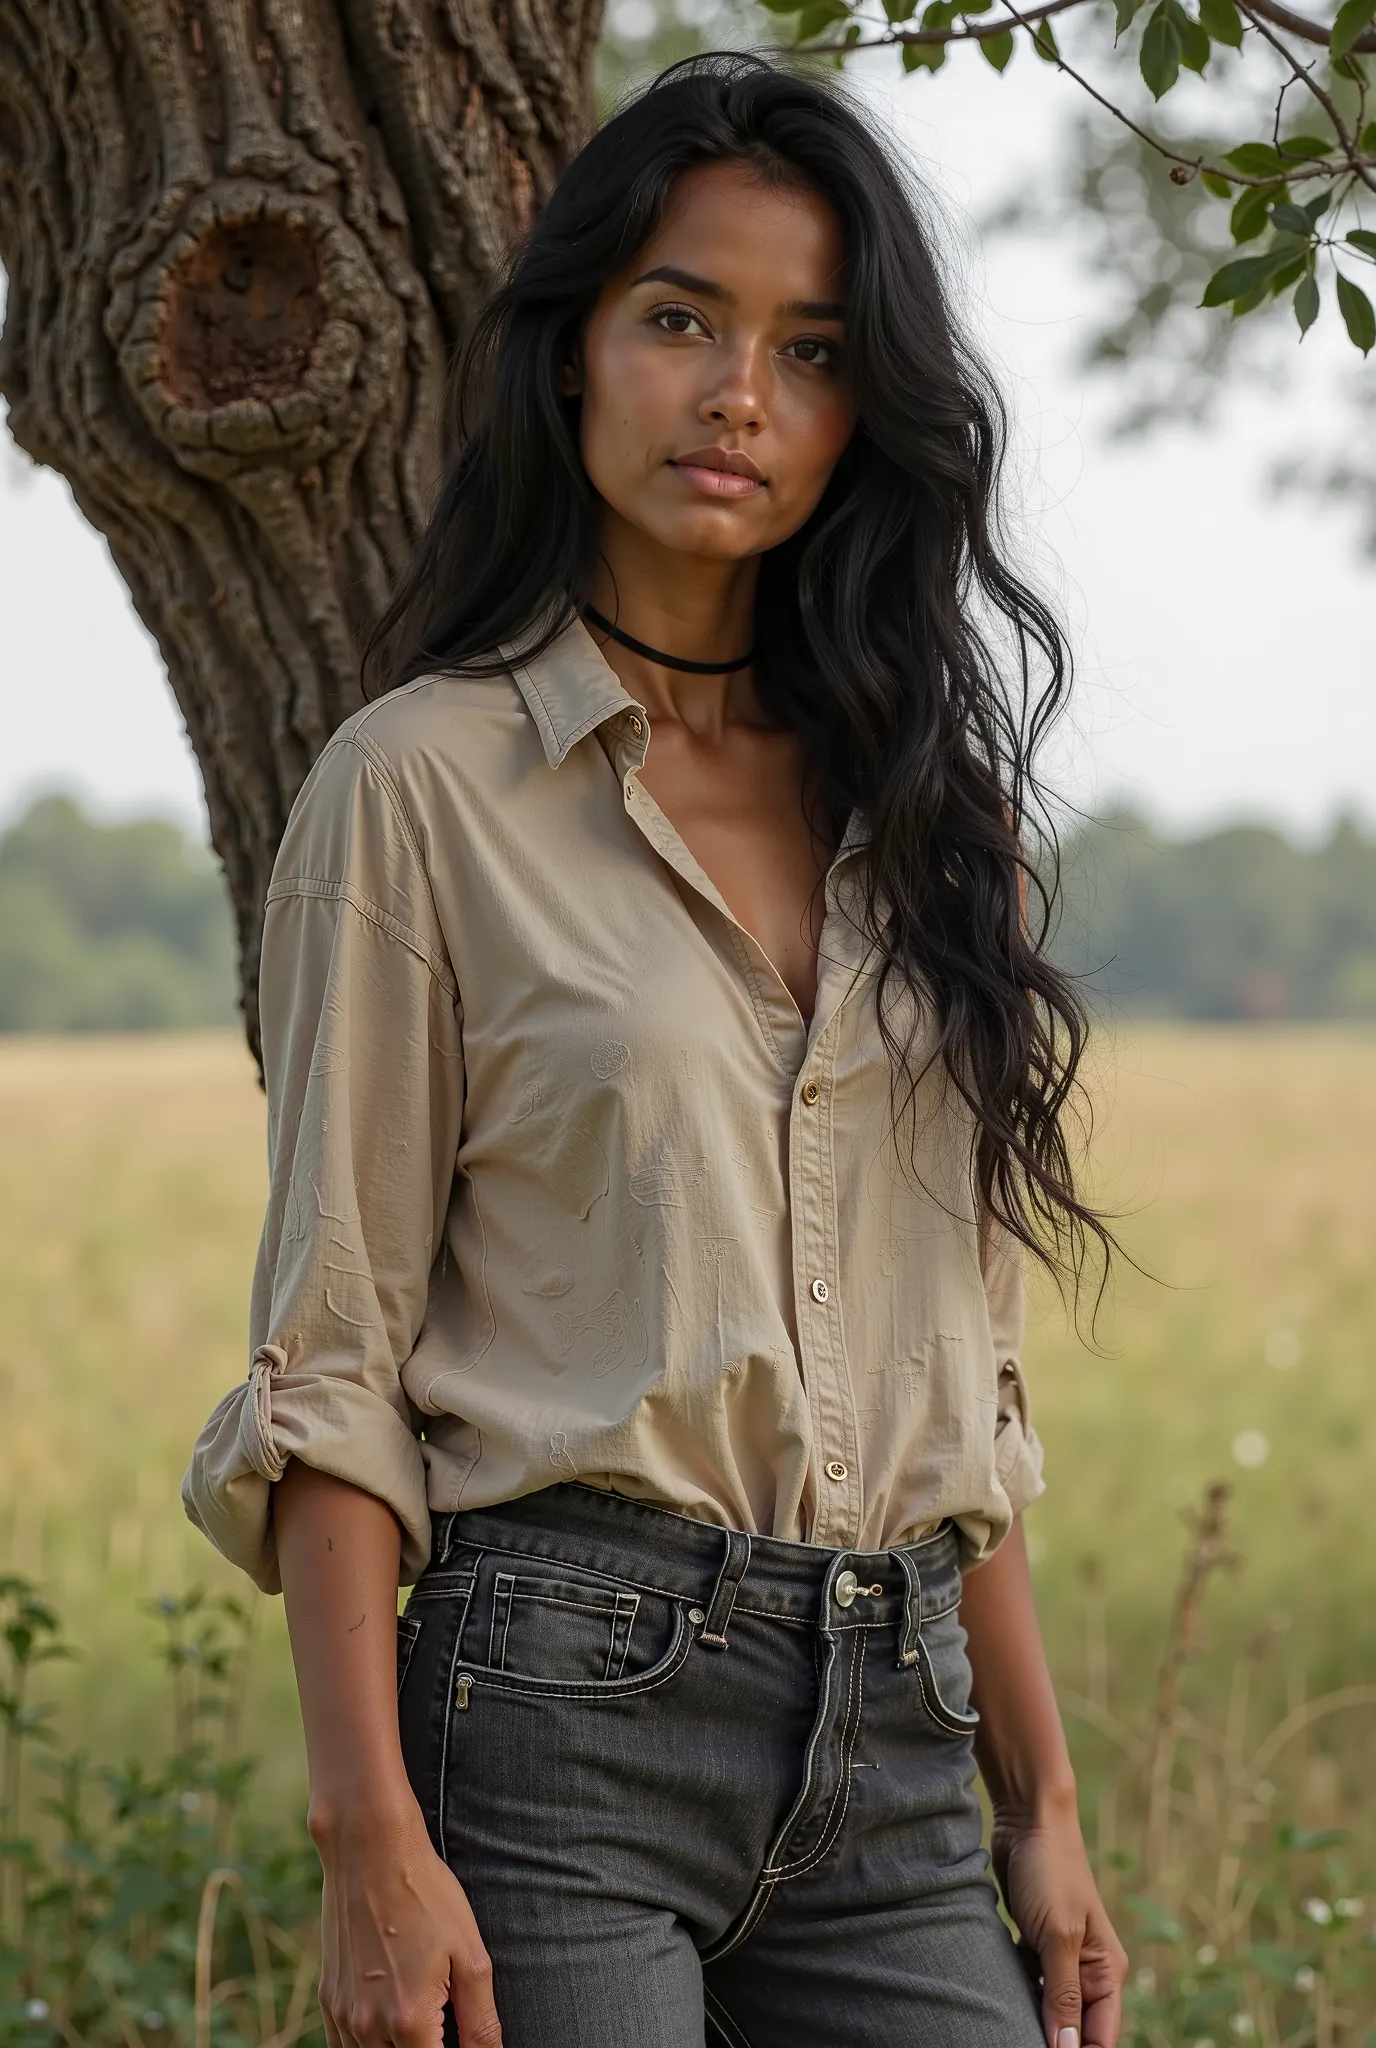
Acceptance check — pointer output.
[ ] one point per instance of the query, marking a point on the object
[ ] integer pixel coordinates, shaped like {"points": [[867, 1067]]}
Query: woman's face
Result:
{"points": [[713, 372]]}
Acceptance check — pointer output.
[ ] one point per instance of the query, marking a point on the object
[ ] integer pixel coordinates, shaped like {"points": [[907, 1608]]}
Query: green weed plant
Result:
{"points": [[144, 1906]]}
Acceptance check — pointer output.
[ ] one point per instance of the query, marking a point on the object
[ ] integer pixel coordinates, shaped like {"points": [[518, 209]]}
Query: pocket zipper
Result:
{"points": [[463, 1685]]}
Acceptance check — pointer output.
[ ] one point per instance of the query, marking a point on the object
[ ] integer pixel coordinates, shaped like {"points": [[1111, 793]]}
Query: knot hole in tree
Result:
{"points": [[241, 313]]}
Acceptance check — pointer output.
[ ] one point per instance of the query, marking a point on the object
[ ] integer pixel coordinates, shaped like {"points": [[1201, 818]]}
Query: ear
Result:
{"points": [[571, 374]]}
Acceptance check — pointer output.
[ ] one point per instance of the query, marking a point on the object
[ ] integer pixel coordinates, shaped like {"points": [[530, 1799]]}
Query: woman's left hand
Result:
{"points": [[1047, 1885]]}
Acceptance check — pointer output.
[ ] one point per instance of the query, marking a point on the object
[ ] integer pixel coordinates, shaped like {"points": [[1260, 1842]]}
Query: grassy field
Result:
{"points": [[1243, 1166]]}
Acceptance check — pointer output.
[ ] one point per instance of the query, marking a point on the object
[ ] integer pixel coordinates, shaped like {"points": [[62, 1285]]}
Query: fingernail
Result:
{"points": [[1069, 2037]]}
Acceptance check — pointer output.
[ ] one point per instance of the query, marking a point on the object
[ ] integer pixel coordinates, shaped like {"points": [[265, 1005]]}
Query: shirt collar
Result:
{"points": [[569, 689]]}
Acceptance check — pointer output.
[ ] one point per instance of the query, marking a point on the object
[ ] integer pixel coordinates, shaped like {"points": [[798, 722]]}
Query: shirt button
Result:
{"points": [[630, 789], [810, 1092], [820, 1291], [836, 1470], [637, 726]]}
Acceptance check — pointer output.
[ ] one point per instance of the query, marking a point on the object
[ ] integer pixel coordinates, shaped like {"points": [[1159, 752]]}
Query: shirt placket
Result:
{"points": [[817, 1305]]}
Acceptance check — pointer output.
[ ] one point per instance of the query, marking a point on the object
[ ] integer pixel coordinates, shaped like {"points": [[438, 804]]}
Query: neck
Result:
{"points": [[692, 606]]}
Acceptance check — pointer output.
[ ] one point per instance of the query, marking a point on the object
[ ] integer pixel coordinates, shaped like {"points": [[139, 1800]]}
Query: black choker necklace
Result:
{"points": [[692, 668]]}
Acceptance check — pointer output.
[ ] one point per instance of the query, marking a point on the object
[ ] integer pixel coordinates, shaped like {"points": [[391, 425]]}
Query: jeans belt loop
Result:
{"points": [[912, 1612], [728, 1585]]}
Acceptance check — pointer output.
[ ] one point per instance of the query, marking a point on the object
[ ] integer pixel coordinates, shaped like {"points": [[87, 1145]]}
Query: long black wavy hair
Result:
{"points": [[864, 617]]}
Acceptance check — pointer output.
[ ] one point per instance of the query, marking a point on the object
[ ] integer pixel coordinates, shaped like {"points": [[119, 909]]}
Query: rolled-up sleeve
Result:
{"points": [[1017, 1447], [363, 1066]]}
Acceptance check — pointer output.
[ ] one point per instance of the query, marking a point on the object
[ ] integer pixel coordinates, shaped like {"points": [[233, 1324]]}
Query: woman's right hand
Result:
{"points": [[398, 1940]]}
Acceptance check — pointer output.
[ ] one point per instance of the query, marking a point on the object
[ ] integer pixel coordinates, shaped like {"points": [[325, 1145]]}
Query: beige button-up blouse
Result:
{"points": [[563, 1186]]}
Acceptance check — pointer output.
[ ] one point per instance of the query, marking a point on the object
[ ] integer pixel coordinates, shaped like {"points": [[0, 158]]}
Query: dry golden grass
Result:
{"points": [[1245, 1163]]}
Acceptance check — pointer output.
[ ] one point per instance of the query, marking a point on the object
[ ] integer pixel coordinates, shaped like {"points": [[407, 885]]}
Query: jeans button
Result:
{"points": [[846, 1588]]}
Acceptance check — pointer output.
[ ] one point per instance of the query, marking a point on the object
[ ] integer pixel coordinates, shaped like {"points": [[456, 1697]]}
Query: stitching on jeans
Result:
{"points": [[772, 1614], [745, 1926], [443, 1774], [830, 1838], [949, 1726], [831, 1827], [572, 1564], [592, 1689], [723, 2021]]}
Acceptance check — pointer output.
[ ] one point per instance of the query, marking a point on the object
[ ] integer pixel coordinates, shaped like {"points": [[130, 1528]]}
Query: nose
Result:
{"points": [[737, 399]]}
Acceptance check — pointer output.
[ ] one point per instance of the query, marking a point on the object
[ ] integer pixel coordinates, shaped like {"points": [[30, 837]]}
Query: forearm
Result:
{"points": [[1020, 1745], [340, 1550]]}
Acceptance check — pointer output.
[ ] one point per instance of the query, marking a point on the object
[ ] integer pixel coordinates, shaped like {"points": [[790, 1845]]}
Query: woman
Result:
{"points": [[662, 1086]]}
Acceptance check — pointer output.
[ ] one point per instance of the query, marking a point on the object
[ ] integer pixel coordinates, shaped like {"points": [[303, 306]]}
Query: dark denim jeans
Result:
{"points": [[702, 1784]]}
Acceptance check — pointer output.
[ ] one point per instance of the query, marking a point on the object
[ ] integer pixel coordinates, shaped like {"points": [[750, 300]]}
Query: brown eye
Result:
{"points": [[812, 349], [676, 319]]}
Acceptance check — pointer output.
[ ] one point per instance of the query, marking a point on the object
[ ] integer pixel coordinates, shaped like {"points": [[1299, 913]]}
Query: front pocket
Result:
{"points": [[408, 1635], [550, 1625], [944, 1676], [544, 1626]]}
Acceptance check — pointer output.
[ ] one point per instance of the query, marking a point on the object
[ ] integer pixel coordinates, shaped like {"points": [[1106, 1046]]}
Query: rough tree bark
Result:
{"points": [[243, 237]]}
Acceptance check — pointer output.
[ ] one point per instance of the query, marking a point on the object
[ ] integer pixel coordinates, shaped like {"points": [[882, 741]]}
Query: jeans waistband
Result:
{"points": [[721, 1570]]}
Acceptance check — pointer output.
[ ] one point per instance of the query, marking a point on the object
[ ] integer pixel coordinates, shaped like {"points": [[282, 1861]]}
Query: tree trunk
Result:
{"points": [[243, 239]]}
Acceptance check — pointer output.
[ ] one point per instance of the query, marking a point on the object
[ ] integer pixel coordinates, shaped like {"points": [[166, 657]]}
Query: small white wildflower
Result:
{"points": [[1317, 1910], [153, 2021], [1243, 2023], [1348, 1909], [1263, 1791], [1251, 1448], [1145, 1980], [37, 2009], [190, 1802], [1206, 1955], [1284, 1350], [1305, 1978]]}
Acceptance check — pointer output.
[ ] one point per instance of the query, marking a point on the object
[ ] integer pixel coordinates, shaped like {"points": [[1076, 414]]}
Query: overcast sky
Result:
{"points": [[1223, 637]]}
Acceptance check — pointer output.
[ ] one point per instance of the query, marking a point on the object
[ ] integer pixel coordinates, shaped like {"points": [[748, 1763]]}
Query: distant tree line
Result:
{"points": [[127, 926], [1238, 923], [121, 927]]}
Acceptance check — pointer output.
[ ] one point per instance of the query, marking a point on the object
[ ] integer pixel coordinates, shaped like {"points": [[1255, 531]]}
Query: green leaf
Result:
{"points": [[1320, 203], [1292, 220], [1358, 316], [899, 10], [1212, 182], [1243, 275], [1280, 1964], [1154, 1922], [1222, 21], [784, 6], [1252, 211], [1367, 139], [817, 15], [1291, 274], [1160, 53], [997, 50], [1256, 159], [1044, 43], [923, 56], [1363, 239], [1194, 42], [1307, 302], [1353, 16], [1305, 145]]}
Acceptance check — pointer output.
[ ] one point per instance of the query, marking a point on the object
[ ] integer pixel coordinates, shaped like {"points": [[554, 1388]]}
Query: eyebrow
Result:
{"points": [[704, 288]]}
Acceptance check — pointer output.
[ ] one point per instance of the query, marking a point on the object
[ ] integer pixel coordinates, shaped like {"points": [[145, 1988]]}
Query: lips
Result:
{"points": [[729, 460], [719, 472]]}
